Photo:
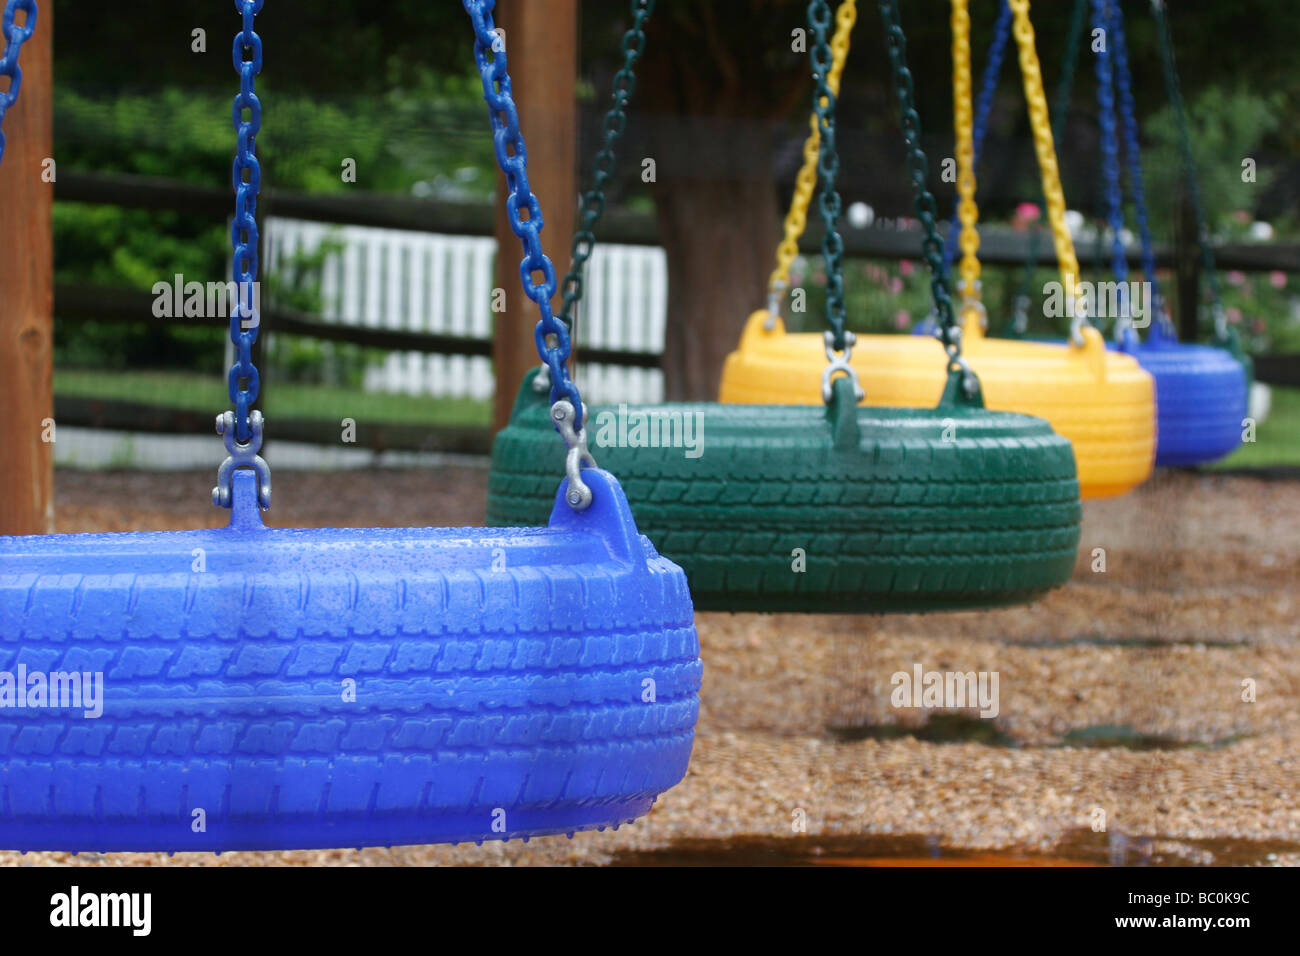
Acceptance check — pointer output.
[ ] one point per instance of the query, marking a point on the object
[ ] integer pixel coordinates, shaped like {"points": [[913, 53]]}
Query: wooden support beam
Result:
{"points": [[27, 295], [541, 38], [1187, 270]]}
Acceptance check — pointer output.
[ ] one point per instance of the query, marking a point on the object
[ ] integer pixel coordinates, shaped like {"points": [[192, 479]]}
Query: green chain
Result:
{"points": [[828, 168], [1069, 63], [1189, 167], [923, 200], [593, 201]]}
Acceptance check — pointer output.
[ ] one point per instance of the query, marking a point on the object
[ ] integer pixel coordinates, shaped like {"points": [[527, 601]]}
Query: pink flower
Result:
{"points": [[1277, 279], [1242, 216], [906, 267], [902, 319], [1234, 314], [894, 285], [1236, 277], [1028, 212], [1258, 326]]}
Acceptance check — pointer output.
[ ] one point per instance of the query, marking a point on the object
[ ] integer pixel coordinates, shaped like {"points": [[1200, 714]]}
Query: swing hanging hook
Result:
{"points": [[840, 363], [579, 494], [242, 455], [1079, 322], [775, 295]]}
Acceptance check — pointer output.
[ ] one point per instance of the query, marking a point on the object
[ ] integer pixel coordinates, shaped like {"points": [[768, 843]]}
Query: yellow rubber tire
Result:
{"points": [[1102, 401]]}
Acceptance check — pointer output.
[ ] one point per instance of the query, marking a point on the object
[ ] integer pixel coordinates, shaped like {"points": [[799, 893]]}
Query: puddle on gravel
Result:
{"points": [[938, 729], [1123, 735], [1077, 848], [1129, 643], [963, 728]]}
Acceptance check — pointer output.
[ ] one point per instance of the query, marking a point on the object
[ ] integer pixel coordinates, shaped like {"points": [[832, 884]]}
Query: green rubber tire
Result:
{"points": [[840, 508]]}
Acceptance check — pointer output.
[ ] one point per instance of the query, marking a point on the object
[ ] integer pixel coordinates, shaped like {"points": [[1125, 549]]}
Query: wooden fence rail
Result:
{"points": [[998, 246]]}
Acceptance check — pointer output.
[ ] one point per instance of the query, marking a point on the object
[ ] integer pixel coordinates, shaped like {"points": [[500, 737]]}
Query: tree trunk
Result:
{"points": [[712, 107], [720, 235]]}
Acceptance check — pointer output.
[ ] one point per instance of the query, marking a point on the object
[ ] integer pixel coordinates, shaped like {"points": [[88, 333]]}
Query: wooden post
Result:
{"points": [[542, 46], [27, 295], [1187, 268]]}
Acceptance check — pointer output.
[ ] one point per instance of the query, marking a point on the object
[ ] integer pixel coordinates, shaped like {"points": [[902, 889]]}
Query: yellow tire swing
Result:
{"points": [[1103, 402], [838, 507]]}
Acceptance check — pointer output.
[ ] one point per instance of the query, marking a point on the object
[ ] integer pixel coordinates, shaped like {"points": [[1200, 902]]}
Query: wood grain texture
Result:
{"points": [[27, 295]]}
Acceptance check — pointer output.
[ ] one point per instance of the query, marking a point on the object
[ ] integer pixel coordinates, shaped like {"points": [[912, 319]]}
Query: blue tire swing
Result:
{"points": [[267, 688], [886, 509], [1202, 391]]}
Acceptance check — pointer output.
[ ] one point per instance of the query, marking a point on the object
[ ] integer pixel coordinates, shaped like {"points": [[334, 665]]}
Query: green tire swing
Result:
{"points": [[841, 508]]}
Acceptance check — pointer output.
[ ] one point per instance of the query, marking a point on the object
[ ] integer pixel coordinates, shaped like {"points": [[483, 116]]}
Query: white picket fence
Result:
{"points": [[428, 282]]}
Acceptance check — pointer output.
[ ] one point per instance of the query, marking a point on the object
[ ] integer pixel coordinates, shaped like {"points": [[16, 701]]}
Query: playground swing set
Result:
{"points": [[351, 686], [1202, 391], [839, 505], [1102, 402], [303, 688]]}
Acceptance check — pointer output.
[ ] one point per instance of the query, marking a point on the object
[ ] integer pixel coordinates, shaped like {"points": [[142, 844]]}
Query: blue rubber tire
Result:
{"points": [[1201, 398], [1202, 395], [508, 682]]}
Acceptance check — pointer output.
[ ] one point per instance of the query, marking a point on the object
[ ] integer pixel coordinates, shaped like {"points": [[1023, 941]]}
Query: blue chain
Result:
{"points": [[513, 160], [1132, 149], [243, 380], [1109, 143], [984, 107], [1222, 334], [15, 36]]}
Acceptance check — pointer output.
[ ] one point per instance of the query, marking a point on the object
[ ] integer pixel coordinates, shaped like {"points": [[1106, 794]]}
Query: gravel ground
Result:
{"points": [[1121, 692]]}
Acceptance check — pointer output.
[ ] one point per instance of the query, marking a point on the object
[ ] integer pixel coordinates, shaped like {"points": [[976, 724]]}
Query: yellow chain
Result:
{"points": [[964, 121], [796, 219], [1046, 149]]}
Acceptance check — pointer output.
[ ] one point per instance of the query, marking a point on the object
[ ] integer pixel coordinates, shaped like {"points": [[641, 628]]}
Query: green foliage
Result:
{"points": [[1226, 127], [1277, 439], [426, 138]]}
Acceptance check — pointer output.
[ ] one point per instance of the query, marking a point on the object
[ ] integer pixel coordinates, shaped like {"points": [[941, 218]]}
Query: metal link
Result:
{"points": [[828, 168], [579, 494], [1045, 147], [796, 219], [1132, 149], [242, 455], [988, 88], [1060, 112], [1172, 85], [593, 201], [963, 123], [1110, 161], [243, 380], [840, 364], [949, 332], [550, 335], [14, 36]]}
